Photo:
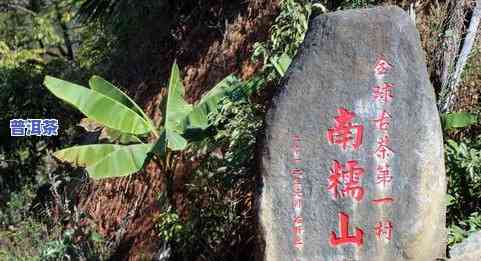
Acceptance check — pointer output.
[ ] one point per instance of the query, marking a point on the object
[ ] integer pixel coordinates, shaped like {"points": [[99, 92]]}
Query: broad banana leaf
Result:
{"points": [[116, 136], [106, 133], [175, 141], [198, 117], [99, 107], [123, 161], [90, 125], [99, 84], [176, 108], [86, 155]]}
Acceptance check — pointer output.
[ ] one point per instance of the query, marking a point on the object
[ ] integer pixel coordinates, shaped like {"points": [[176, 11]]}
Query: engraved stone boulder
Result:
{"points": [[352, 161]]}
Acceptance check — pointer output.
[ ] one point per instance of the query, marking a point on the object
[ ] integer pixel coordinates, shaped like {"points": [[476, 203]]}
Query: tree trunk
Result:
{"points": [[455, 79], [449, 48]]}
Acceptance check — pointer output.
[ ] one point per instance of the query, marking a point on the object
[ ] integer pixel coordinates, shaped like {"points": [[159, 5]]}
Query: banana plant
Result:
{"points": [[108, 107]]}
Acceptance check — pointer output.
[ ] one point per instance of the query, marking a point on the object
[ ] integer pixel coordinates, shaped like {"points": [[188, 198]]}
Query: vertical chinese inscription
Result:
{"points": [[383, 94], [297, 194], [345, 179]]}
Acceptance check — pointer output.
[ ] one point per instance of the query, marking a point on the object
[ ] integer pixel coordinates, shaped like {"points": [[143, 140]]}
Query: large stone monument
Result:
{"points": [[352, 163]]}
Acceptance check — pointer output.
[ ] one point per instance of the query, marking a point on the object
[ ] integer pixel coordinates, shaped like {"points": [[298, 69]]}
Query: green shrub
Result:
{"points": [[219, 221], [170, 227], [463, 168], [286, 35], [29, 232], [346, 4], [22, 96], [22, 241]]}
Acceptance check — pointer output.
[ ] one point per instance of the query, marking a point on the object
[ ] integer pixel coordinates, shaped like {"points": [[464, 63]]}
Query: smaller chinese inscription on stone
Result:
{"points": [[297, 194]]}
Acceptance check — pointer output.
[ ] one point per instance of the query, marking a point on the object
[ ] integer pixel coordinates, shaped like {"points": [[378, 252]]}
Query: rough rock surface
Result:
{"points": [[469, 256], [354, 69], [468, 250]]}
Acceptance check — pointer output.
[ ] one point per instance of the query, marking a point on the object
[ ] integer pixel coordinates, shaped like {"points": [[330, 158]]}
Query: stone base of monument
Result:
{"points": [[474, 256], [468, 250], [352, 162]]}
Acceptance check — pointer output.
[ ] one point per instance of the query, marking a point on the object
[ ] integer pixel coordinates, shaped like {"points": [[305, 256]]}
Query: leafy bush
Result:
{"points": [[463, 166], [287, 33], [22, 96], [237, 125], [345, 4], [170, 227], [219, 219], [25, 236], [22, 242], [288, 30], [458, 232], [34, 240], [220, 215]]}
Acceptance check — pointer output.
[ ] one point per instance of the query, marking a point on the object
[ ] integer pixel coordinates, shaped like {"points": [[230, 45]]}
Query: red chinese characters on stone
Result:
{"points": [[297, 194], [383, 229], [298, 230], [382, 123], [348, 176], [383, 93], [382, 67], [297, 202], [296, 172], [380, 201], [345, 132], [297, 187], [298, 241], [344, 237], [382, 150], [383, 175]]}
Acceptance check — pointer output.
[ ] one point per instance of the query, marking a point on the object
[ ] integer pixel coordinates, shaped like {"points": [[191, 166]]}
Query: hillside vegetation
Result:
{"points": [[194, 198]]}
